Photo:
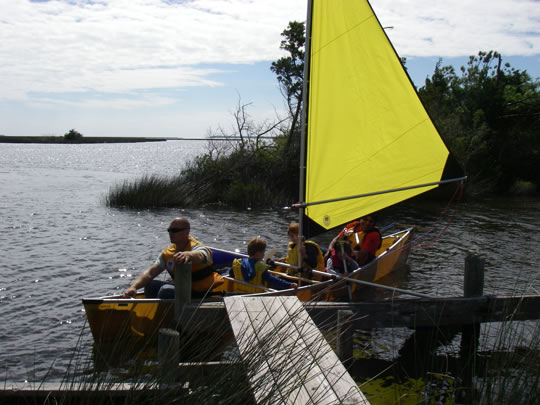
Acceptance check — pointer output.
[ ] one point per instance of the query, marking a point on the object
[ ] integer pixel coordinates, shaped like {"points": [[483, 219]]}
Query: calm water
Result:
{"points": [[58, 242]]}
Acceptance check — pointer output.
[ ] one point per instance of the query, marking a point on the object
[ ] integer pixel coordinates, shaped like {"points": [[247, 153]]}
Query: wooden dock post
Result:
{"points": [[182, 287], [169, 339], [473, 286], [344, 338], [169, 356], [473, 283]]}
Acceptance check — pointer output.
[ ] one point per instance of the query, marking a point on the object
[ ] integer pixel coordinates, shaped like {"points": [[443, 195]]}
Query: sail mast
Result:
{"points": [[303, 129]]}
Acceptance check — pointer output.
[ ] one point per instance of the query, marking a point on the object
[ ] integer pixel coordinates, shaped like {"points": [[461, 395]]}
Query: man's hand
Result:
{"points": [[129, 293], [182, 257]]}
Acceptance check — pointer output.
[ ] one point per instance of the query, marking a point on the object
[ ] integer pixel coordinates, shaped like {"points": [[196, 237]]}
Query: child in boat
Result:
{"points": [[340, 260], [312, 256], [364, 237], [254, 271]]}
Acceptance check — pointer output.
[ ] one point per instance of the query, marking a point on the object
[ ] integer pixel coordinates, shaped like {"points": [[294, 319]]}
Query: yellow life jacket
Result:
{"points": [[256, 280], [292, 257], [203, 276]]}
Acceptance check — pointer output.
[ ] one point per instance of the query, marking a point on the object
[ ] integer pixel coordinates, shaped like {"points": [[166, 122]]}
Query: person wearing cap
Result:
{"points": [[184, 248]]}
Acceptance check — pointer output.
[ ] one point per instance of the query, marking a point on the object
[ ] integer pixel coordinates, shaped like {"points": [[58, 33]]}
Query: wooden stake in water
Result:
{"points": [[473, 283], [473, 286], [182, 286], [169, 357], [169, 339], [344, 343]]}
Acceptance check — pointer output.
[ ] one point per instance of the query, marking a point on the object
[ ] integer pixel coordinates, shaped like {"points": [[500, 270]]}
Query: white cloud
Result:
{"points": [[60, 46], [77, 62], [124, 45], [461, 28]]}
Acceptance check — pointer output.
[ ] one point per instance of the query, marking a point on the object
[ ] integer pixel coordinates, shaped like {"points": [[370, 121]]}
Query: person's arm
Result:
{"points": [[277, 283], [198, 255], [146, 276], [330, 248]]}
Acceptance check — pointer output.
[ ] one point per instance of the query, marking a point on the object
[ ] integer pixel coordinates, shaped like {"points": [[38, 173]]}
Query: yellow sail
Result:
{"points": [[367, 129]]}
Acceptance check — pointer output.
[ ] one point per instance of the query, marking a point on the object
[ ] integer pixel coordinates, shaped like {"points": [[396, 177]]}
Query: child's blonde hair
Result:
{"points": [[293, 228]]}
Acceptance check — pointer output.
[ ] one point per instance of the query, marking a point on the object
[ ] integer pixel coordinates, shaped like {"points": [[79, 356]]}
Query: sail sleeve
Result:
{"points": [[367, 130]]}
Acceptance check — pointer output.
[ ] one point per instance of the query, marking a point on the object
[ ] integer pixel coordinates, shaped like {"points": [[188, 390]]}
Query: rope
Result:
{"points": [[418, 241], [459, 194]]}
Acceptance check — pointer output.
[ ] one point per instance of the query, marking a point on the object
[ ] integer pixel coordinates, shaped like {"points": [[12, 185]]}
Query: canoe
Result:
{"points": [[113, 318]]}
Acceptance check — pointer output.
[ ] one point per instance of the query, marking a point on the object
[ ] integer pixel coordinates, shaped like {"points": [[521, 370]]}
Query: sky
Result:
{"points": [[179, 68]]}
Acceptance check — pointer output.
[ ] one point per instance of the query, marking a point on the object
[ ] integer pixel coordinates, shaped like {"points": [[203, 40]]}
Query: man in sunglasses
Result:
{"points": [[184, 248]]}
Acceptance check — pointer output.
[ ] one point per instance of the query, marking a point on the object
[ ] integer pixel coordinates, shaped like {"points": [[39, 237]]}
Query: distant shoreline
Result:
{"points": [[100, 139], [84, 140]]}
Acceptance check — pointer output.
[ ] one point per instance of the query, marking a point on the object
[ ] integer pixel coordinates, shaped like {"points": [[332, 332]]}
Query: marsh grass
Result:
{"points": [[271, 367], [239, 175], [150, 191], [509, 372], [274, 367]]}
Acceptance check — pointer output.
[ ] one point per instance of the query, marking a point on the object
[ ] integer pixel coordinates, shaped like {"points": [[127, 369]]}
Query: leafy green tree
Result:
{"points": [[72, 135], [488, 115], [290, 73]]}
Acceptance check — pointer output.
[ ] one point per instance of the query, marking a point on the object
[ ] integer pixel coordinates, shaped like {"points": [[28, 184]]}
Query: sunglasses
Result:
{"points": [[174, 230]]}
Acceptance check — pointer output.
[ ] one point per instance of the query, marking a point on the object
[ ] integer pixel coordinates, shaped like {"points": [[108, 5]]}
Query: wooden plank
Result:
{"points": [[410, 313], [416, 313], [336, 380], [300, 374], [243, 327], [291, 361], [261, 333]]}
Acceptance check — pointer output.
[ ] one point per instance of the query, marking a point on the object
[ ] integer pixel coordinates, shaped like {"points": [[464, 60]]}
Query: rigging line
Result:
{"points": [[425, 244], [420, 240], [450, 220], [443, 212]]}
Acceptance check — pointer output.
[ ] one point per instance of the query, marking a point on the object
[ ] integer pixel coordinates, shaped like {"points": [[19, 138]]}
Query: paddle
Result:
{"points": [[269, 254], [287, 276]]}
